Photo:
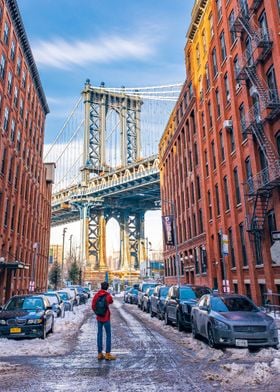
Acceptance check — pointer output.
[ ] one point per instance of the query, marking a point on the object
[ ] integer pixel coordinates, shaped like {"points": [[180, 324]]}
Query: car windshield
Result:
{"points": [[147, 285], [25, 303], [150, 291], [187, 293], [52, 299], [232, 304], [63, 296], [164, 291]]}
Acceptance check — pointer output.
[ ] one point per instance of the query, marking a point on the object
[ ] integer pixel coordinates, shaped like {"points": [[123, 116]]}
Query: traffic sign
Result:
{"points": [[275, 235]]}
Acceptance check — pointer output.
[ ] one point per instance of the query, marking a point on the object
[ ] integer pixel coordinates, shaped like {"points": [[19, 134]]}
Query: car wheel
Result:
{"points": [[194, 329], [152, 313], [52, 327], [179, 323], [211, 338], [44, 332], [166, 319]]}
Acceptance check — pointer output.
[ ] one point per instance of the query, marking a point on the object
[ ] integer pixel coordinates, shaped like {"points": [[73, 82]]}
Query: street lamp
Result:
{"points": [[62, 253], [70, 249]]}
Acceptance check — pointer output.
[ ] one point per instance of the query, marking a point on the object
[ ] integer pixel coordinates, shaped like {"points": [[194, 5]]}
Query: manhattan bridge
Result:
{"points": [[107, 166]]}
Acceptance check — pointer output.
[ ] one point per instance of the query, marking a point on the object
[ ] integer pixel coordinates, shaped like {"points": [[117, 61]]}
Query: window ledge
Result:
{"points": [[233, 269], [259, 265], [239, 205], [245, 267]]}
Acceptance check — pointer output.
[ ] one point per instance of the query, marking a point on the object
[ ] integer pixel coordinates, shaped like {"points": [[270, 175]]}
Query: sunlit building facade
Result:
{"points": [[220, 151], [25, 182]]}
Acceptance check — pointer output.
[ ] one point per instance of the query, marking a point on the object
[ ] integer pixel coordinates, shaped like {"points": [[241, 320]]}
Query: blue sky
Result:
{"points": [[124, 42]]}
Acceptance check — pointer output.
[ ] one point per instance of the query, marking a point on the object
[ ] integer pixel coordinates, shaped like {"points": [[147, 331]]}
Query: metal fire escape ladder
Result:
{"points": [[259, 213]]}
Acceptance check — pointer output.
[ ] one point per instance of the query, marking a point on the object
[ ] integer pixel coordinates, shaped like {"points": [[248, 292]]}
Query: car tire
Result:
{"points": [[211, 337], [152, 313], [179, 323], [166, 319], [44, 332], [194, 329], [52, 327]]}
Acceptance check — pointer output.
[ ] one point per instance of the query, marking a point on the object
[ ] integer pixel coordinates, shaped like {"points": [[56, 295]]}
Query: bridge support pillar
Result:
{"points": [[96, 241], [141, 239], [125, 259]]}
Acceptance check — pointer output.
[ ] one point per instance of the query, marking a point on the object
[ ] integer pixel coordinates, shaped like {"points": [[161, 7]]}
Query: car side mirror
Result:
{"points": [[173, 297], [49, 308], [1, 307]]}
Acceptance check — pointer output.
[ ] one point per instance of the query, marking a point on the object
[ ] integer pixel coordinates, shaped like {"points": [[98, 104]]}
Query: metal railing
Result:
{"points": [[262, 179], [272, 303]]}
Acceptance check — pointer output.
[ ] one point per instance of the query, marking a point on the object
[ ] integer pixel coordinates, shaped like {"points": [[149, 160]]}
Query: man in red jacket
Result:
{"points": [[103, 321]]}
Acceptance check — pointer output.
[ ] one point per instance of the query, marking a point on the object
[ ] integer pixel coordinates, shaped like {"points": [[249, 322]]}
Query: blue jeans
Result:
{"points": [[107, 326]]}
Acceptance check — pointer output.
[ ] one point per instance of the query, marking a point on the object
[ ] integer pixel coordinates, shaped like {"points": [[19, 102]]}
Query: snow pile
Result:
{"points": [[6, 367], [56, 343]]}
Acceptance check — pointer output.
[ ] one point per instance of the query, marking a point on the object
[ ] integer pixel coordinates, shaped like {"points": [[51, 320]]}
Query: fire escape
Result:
{"points": [[265, 108]]}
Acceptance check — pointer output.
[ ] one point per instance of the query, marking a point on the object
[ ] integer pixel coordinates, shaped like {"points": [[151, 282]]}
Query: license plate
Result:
{"points": [[15, 330], [241, 343]]}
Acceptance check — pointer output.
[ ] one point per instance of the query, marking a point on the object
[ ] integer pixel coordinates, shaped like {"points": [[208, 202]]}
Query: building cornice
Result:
{"points": [[197, 13], [22, 37]]}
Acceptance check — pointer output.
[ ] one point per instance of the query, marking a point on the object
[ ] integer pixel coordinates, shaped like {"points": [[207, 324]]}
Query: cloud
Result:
{"points": [[63, 54]]}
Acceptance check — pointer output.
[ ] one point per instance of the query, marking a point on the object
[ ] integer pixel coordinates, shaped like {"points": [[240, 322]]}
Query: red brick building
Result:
{"points": [[219, 153], [25, 182]]}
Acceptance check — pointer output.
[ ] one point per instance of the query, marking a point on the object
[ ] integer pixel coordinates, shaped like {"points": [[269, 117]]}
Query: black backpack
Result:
{"points": [[101, 305]]}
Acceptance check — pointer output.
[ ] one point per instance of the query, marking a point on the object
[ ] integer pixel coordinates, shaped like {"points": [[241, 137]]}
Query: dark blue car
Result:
{"points": [[158, 300], [26, 316]]}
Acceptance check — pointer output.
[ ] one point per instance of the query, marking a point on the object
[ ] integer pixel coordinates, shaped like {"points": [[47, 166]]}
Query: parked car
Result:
{"points": [[142, 289], [67, 299], [74, 294], [87, 291], [132, 296], [82, 294], [56, 303], [233, 320], [158, 301], [147, 299], [126, 290], [179, 303], [26, 316]]}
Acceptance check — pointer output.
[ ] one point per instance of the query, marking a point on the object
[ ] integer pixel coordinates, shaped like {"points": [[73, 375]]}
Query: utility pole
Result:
{"points": [[62, 261]]}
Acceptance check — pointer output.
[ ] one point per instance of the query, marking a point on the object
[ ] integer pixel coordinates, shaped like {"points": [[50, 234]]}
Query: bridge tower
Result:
{"points": [[98, 104]]}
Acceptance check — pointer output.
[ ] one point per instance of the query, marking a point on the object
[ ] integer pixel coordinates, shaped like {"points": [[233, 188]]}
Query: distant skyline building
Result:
{"points": [[219, 153], [25, 182]]}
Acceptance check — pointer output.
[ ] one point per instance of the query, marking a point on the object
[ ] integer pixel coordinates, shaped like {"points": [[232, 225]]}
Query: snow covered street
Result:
{"points": [[150, 357]]}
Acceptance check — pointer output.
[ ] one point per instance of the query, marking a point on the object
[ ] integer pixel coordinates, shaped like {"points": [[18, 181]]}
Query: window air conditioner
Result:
{"points": [[228, 124]]}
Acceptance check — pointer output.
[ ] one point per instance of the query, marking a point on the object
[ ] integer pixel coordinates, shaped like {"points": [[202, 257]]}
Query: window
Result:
{"points": [[214, 63], [219, 9], [200, 216], [207, 76], [231, 138], [231, 248], [13, 218], [12, 135], [248, 290], [196, 261], [10, 82], [198, 187], [209, 205], [264, 26], [218, 103], [211, 26], [206, 163], [2, 67], [6, 119], [236, 184], [6, 216], [21, 108], [10, 176], [16, 97], [243, 245], [197, 55], [190, 160], [271, 224], [226, 192], [217, 199], [213, 155], [203, 256], [223, 46], [227, 91], [204, 41], [194, 225], [222, 148], [271, 81], [235, 288], [249, 175], [18, 141], [242, 121], [210, 114], [244, 8], [249, 51], [231, 24], [3, 162], [23, 80], [6, 33], [278, 142], [236, 66], [203, 124], [18, 66], [13, 50], [192, 193], [195, 154]]}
